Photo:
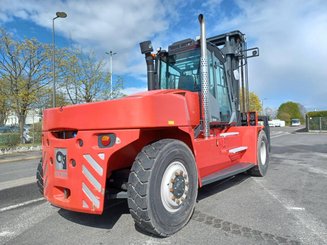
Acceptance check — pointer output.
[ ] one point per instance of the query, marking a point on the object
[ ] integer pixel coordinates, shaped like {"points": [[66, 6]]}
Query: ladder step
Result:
{"points": [[231, 171], [229, 134], [238, 149]]}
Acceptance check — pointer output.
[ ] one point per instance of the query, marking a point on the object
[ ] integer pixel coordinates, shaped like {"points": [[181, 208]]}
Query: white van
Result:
{"points": [[295, 122]]}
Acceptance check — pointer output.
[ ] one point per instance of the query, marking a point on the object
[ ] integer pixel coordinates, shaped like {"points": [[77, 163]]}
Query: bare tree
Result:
{"points": [[84, 78], [4, 103], [24, 66]]}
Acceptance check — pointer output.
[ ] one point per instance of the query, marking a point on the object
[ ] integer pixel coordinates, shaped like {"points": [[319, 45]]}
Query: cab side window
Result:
{"points": [[211, 74], [222, 91]]}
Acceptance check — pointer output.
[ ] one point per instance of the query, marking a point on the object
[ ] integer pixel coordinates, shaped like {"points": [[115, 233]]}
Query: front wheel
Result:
{"points": [[260, 170], [162, 187]]}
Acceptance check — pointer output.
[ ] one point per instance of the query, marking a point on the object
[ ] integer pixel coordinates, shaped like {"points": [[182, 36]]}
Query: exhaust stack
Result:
{"points": [[146, 49], [204, 78]]}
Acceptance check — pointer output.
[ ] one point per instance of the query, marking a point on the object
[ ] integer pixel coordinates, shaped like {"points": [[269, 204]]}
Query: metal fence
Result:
{"points": [[316, 123]]}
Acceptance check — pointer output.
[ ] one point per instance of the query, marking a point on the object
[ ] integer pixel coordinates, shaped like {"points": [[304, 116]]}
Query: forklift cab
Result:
{"points": [[179, 68]]}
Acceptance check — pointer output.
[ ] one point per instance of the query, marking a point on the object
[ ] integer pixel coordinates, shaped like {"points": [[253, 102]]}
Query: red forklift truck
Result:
{"points": [[159, 147]]}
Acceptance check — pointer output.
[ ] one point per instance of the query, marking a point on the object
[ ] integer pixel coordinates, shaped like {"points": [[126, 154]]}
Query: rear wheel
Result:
{"points": [[260, 170], [162, 187], [39, 177]]}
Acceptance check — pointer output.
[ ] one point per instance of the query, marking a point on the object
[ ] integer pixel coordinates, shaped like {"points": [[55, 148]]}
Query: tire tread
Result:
{"points": [[39, 177], [255, 171], [138, 185]]}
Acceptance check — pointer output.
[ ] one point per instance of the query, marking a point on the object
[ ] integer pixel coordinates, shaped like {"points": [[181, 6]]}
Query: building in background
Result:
{"points": [[33, 116]]}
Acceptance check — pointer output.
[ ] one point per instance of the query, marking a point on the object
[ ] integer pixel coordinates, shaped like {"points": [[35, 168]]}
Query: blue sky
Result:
{"points": [[291, 35]]}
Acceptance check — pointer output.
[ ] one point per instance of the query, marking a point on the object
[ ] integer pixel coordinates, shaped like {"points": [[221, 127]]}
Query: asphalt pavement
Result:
{"points": [[18, 169], [287, 206]]}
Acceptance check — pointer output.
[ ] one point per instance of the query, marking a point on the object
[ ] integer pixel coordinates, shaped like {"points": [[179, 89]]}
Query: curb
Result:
{"points": [[19, 159], [6, 151]]}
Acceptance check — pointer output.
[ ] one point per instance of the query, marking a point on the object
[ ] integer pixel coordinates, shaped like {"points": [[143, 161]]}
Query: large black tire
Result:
{"points": [[260, 170], [39, 177], [157, 206]]}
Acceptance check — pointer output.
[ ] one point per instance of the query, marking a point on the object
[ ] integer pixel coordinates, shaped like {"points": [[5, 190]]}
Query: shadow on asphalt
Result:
{"points": [[320, 148], [116, 208], [107, 220], [301, 130], [219, 186]]}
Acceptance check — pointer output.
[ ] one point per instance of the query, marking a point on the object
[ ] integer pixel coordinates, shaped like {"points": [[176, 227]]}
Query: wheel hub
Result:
{"points": [[263, 153], [174, 186], [178, 186]]}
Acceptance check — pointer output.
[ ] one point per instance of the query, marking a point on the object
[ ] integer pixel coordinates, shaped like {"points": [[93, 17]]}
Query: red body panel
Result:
{"points": [[213, 154], [160, 108], [136, 121], [90, 161]]}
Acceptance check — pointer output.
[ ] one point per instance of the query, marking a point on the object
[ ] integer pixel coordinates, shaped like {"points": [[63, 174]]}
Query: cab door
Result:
{"points": [[220, 109]]}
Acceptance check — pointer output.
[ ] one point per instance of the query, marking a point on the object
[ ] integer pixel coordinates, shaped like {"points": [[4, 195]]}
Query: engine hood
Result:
{"points": [[159, 108]]}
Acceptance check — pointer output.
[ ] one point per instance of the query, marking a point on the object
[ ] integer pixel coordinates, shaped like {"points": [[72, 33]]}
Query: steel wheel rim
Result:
{"points": [[173, 172], [263, 153]]}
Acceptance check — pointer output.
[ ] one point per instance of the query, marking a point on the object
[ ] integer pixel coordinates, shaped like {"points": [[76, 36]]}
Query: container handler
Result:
{"points": [[159, 147]]}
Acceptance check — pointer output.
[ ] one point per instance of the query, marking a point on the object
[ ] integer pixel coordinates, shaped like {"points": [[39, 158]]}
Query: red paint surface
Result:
{"points": [[136, 121]]}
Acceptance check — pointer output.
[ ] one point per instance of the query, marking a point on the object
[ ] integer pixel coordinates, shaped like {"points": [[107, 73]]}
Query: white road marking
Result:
{"points": [[295, 208], [316, 170], [6, 233], [22, 220], [17, 182], [305, 218], [278, 134], [20, 204]]}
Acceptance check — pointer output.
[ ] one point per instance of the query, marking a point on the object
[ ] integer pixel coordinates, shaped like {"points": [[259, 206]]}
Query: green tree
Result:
{"points": [[254, 102], [46, 97], [24, 66], [289, 110], [284, 116]]}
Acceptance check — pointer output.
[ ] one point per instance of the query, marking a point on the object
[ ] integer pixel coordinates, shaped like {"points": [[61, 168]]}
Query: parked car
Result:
{"points": [[15, 129]]}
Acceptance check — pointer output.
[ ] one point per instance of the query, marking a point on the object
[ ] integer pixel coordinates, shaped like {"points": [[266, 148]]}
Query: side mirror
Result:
{"points": [[254, 53], [146, 47], [236, 74]]}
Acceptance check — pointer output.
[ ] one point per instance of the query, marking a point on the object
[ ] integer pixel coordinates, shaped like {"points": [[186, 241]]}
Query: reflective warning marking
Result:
{"points": [[96, 166], [90, 195], [101, 156], [91, 178], [171, 122], [85, 204]]}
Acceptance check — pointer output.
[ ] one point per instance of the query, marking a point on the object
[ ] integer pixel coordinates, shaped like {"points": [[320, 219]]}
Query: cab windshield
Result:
{"points": [[181, 71]]}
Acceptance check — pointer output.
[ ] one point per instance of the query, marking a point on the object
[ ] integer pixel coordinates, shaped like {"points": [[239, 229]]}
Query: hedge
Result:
{"points": [[317, 114], [9, 139]]}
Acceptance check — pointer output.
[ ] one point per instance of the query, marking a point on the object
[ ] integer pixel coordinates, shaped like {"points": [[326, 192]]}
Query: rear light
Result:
{"points": [[106, 140]]}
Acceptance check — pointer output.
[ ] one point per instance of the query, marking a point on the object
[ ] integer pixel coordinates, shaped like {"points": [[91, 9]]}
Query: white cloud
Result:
{"points": [[99, 25], [291, 36], [134, 90]]}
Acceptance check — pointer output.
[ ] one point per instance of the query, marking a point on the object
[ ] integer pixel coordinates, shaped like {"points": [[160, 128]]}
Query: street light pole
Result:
{"points": [[58, 15], [110, 53], [263, 112]]}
